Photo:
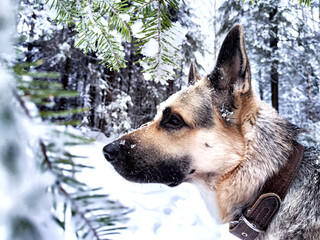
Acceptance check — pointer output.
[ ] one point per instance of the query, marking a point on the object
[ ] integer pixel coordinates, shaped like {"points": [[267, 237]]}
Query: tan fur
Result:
{"points": [[219, 166], [219, 154], [215, 152], [182, 140]]}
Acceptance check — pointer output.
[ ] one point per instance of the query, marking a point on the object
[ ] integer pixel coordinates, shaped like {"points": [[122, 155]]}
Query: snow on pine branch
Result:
{"points": [[95, 35], [63, 11], [161, 57], [102, 26], [160, 40]]}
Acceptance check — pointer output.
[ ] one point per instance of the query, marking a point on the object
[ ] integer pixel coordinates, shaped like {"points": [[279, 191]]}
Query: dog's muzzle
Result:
{"points": [[145, 165]]}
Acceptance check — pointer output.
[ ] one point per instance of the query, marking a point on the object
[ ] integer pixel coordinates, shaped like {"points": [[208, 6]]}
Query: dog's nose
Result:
{"points": [[111, 151]]}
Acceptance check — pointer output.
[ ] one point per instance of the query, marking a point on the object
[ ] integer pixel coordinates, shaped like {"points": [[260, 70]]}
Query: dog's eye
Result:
{"points": [[174, 121]]}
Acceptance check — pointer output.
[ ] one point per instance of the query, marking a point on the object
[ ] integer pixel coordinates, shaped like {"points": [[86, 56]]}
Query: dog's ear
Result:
{"points": [[193, 75], [232, 70]]}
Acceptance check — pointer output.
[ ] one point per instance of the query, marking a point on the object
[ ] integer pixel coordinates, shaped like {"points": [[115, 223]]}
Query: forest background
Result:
{"points": [[69, 68]]}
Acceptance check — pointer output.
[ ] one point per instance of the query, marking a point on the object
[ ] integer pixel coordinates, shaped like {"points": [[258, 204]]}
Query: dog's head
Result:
{"points": [[197, 132]]}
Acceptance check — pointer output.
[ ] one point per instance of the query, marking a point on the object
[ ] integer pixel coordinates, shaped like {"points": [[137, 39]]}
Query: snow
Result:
{"points": [[7, 19], [22, 186], [125, 17], [154, 62], [116, 113], [42, 27], [136, 29], [159, 212], [151, 48]]}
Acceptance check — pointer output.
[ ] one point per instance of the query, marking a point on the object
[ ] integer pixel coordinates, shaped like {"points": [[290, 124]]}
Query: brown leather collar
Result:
{"points": [[257, 218]]}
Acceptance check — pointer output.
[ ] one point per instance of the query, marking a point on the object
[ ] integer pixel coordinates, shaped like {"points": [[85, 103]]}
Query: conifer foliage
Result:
{"points": [[91, 212], [102, 26]]}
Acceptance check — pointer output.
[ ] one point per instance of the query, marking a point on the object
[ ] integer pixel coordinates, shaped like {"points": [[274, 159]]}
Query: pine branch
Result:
{"points": [[100, 23], [44, 153], [116, 12], [77, 209], [89, 16], [65, 9], [158, 27], [144, 5], [112, 49], [49, 164], [65, 193], [93, 21], [95, 34], [65, 14], [306, 2], [63, 166]]}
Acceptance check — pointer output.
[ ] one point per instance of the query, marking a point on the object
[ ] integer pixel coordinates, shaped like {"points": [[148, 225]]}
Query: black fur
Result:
{"points": [[232, 71], [193, 74], [203, 116], [230, 61], [145, 165]]}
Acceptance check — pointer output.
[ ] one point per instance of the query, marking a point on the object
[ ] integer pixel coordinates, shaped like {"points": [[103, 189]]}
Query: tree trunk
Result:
{"points": [[260, 86], [309, 95], [274, 74]]}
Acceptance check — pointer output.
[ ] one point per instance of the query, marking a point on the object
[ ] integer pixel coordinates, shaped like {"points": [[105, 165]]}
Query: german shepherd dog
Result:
{"points": [[218, 135]]}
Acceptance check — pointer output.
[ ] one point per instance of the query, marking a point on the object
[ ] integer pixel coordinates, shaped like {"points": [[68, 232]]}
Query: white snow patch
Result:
{"points": [[125, 17], [151, 48], [136, 29]]}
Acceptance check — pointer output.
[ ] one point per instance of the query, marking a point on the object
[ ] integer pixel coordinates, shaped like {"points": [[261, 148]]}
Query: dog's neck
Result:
{"points": [[267, 149]]}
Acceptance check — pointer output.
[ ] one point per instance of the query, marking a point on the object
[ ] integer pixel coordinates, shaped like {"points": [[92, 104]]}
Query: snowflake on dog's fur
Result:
{"points": [[225, 113]]}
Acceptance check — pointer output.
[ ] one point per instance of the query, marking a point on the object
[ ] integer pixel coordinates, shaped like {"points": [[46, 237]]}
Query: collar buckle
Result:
{"points": [[251, 225]]}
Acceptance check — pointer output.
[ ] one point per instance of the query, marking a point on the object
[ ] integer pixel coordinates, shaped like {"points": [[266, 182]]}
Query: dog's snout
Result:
{"points": [[111, 151]]}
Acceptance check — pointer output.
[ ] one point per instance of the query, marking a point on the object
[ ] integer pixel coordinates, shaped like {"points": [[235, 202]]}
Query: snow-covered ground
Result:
{"points": [[160, 212]]}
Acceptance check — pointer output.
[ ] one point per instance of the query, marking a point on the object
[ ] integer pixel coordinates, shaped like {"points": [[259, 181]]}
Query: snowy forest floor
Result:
{"points": [[158, 212]]}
